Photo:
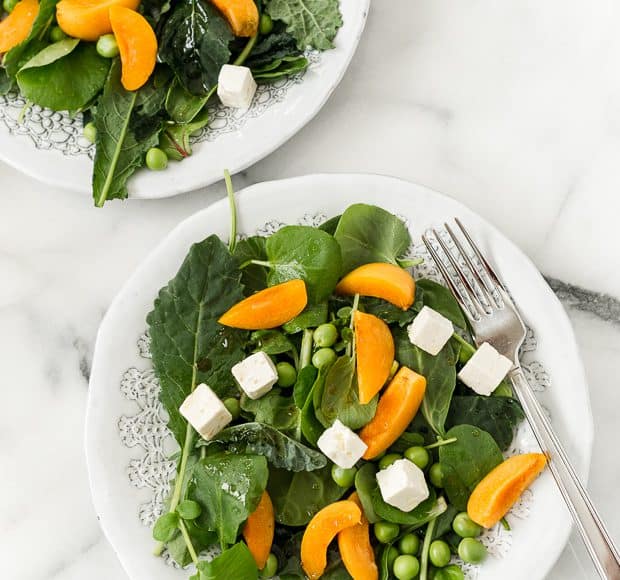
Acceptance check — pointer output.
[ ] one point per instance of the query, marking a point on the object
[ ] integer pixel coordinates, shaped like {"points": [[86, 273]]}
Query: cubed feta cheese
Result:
{"points": [[256, 375], [485, 370], [236, 86], [430, 331], [205, 412], [402, 485], [341, 445]]}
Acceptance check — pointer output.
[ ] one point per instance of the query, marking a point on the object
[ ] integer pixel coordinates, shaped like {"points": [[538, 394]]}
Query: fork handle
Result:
{"points": [[596, 538]]}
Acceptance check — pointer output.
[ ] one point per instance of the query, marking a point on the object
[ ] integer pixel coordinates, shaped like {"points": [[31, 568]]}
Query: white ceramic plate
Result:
{"points": [[49, 146], [126, 439]]}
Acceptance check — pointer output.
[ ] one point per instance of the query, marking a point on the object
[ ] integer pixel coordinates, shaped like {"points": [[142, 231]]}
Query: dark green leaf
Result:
{"points": [[387, 312], [271, 342], [228, 488], [183, 107], [303, 386], [194, 43], [330, 225], [153, 10], [281, 68], [307, 253], [314, 315], [259, 439], [467, 461], [187, 344], [254, 277], [439, 298], [406, 440], [175, 139], [443, 524], [498, 416], [65, 76], [270, 48], [365, 483], [5, 82], [422, 514], [273, 409], [298, 496], [236, 562], [367, 233]]}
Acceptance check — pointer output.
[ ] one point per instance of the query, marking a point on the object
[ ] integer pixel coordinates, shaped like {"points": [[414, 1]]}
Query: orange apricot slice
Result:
{"points": [[242, 15], [258, 531], [387, 281], [88, 19], [16, 27]]}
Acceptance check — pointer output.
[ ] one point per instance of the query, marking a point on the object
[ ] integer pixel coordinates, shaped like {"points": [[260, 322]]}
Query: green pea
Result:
{"points": [[325, 335], [233, 406], [419, 456], [406, 567], [452, 572], [471, 551], [503, 390], [56, 34], [323, 357], [271, 567], [409, 544], [344, 312], [156, 159], [107, 47], [189, 509], [439, 553], [435, 474], [388, 459], [342, 476], [287, 375], [392, 554], [465, 527], [385, 532], [265, 25], [9, 5], [90, 132]]}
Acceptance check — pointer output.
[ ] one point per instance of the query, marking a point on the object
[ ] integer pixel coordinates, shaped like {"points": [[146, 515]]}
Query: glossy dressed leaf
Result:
{"points": [[236, 562], [498, 416], [312, 23], [273, 409], [387, 312], [228, 488], [119, 152], [271, 342], [303, 385], [194, 43], [298, 496], [65, 76], [440, 373], [314, 315], [367, 233], [307, 253], [439, 298], [188, 346], [466, 461], [280, 450]]}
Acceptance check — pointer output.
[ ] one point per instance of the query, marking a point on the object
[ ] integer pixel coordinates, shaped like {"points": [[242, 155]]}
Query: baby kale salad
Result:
{"points": [[319, 395], [143, 71]]}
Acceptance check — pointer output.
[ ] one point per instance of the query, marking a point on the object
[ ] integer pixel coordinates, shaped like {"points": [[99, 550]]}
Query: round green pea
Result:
{"points": [[342, 476], [107, 47], [406, 567], [156, 159], [265, 25], [385, 532], [56, 34], [90, 132], [8, 5], [344, 312], [323, 357], [388, 459], [325, 335], [391, 556], [271, 567], [452, 572], [419, 456], [465, 527], [439, 553], [472, 551], [233, 406], [287, 375], [435, 474], [409, 544]]}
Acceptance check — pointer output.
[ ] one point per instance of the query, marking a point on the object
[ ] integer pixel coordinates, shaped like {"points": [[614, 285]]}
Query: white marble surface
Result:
{"points": [[512, 108]]}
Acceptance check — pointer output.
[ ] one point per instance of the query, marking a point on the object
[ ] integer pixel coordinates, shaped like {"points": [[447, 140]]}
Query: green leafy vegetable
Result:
{"points": [[254, 276], [314, 315], [281, 451], [387, 312], [175, 139], [303, 385], [271, 342], [271, 48], [236, 562], [279, 68], [273, 409], [188, 346], [311, 22], [65, 76], [181, 105], [311, 427], [367, 233], [5, 82], [439, 298], [365, 483], [228, 488], [467, 461]]}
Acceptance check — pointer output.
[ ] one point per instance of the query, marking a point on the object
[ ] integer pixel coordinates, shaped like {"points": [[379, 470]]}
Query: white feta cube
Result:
{"points": [[342, 445], [485, 370], [205, 412], [256, 375], [402, 485], [236, 86], [430, 331]]}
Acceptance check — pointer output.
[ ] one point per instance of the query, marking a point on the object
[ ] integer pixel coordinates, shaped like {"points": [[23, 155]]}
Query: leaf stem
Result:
{"points": [[232, 242], [428, 536], [351, 345], [505, 524], [256, 263], [441, 443], [410, 262], [467, 349], [243, 55], [306, 349], [188, 541]]}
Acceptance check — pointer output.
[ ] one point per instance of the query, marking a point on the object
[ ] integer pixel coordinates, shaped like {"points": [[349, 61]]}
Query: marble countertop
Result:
{"points": [[513, 109]]}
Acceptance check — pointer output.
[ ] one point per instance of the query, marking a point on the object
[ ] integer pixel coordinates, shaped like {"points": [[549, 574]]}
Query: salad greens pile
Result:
{"points": [[148, 126], [457, 437]]}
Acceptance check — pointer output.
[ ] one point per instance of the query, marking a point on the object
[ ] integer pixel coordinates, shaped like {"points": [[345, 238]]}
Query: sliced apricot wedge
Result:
{"points": [[88, 19], [387, 281], [374, 346], [16, 27], [502, 487], [137, 45], [268, 308], [242, 15], [259, 529]]}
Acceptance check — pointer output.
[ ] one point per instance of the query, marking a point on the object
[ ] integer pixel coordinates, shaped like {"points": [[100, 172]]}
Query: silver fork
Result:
{"points": [[495, 319]]}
